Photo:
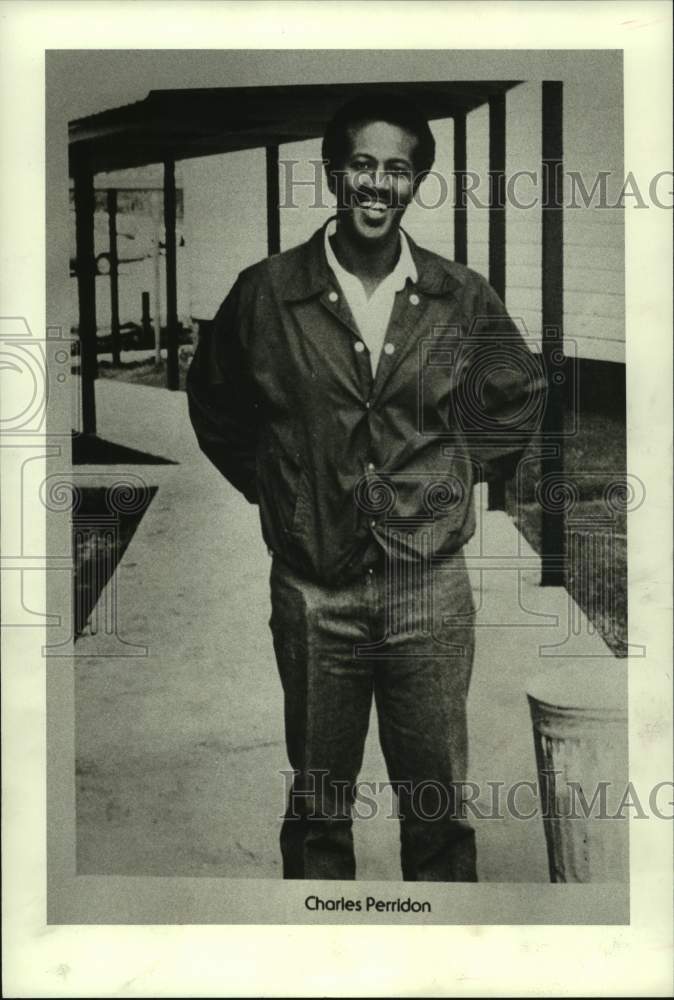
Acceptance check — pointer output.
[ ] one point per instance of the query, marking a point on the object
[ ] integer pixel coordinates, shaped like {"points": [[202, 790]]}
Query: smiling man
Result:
{"points": [[356, 387]]}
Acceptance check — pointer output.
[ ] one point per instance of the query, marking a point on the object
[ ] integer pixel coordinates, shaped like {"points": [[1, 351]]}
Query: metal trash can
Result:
{"points": [[579, 717]]}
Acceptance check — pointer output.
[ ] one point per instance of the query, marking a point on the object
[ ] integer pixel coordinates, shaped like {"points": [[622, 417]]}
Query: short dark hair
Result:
{"points": [[391, 108]]}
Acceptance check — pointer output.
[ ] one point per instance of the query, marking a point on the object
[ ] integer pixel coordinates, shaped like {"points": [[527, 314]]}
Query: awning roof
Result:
{"points": [[179, 124]]}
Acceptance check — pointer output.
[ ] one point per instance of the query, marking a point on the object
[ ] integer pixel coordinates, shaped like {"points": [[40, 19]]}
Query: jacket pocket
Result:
{"points": [[302, 511]]}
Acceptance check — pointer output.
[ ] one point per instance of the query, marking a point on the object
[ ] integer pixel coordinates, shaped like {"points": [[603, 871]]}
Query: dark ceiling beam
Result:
{"points": [[246, 101], [191, 123]]}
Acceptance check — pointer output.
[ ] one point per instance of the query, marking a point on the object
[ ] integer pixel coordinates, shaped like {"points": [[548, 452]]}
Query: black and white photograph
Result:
{"points": [[365, 503], [340, 468]]}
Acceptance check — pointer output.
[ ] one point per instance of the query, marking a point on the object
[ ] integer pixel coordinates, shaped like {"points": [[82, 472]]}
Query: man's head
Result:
{"points": [[376, 151]]}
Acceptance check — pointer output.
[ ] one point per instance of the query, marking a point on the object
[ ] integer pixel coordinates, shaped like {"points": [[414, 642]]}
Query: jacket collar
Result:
{"points": [[311, 274]]}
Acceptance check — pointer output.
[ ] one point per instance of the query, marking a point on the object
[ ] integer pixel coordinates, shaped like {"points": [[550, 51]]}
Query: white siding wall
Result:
{"points": [[594, 245], [594, 237], [477, 159], [523, 225], [225, 223]]}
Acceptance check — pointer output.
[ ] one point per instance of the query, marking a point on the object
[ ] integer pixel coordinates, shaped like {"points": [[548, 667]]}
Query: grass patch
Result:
{"points": [[145, 372], [594, 460], [101, 533]]}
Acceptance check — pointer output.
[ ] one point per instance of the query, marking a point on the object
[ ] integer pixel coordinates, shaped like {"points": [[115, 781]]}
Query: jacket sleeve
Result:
{"points": [[502, 389], [221, 397]]}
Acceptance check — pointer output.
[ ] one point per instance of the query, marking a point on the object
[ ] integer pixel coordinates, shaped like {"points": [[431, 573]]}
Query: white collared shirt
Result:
{"points": [[372, 315]]}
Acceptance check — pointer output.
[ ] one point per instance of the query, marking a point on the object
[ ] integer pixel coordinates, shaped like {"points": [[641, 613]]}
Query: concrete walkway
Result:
{"points": [[179, 721]]}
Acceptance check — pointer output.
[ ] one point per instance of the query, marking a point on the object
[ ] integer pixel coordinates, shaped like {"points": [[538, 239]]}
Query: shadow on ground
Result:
{"points": [[88, 449]]}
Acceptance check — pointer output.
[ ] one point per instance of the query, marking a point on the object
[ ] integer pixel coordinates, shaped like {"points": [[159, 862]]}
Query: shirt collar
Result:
{"points": [[303, 271], [405, 267]]}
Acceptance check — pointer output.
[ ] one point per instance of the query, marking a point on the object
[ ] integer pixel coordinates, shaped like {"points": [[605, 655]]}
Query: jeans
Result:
{"points": [[403, 633]]}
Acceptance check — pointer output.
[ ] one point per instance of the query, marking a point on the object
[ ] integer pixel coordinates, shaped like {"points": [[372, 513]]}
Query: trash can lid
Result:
{"points": [[586, 685]]}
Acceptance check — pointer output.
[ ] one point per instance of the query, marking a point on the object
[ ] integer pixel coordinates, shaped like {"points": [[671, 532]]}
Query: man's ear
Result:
{"points": [[419, 178], [330, 178]]}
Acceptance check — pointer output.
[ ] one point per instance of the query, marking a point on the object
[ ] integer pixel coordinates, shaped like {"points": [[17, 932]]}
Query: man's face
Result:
{"points": [[376, 184]]}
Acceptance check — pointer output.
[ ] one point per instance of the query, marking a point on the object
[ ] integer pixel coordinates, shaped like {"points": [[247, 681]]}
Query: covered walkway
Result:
{"points": [[170, 125]]}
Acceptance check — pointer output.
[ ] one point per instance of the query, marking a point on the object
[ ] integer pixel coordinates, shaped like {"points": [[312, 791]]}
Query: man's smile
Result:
{"points": [[374, 211]]}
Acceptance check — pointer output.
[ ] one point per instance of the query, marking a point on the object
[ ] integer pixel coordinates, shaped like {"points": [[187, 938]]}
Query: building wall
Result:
{"points": [[225, 223], [594, 298]]}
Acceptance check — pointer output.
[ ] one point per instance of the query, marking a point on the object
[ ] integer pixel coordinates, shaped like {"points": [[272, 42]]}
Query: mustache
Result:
{"points": [[353, 190], [364, 195]]}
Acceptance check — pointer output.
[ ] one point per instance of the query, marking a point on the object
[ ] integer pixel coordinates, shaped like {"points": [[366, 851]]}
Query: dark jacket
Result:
{"points": [[343, 465]]}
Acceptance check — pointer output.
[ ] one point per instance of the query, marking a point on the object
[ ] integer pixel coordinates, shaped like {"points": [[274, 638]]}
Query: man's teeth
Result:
{"points": [[374, 206]]}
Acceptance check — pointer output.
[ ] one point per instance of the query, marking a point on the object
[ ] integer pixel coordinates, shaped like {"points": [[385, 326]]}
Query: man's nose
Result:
{"points": [[381, 180], [376, 182]]}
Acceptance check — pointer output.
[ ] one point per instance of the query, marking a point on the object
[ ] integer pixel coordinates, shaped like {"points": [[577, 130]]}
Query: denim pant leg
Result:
{"points": [[328, 695], [421, 690]]}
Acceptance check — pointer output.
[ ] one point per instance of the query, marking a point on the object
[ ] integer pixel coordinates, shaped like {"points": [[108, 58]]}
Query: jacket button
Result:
{"points": [[370, 467], [333, 296], [414, 299], [359, 346], [389, 348]]}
